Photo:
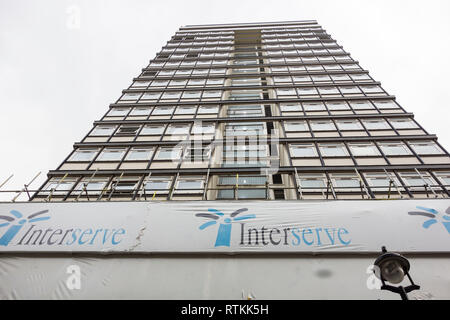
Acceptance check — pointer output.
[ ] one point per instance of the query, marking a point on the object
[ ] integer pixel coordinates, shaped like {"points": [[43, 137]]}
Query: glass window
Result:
{"points": [[282, 79], [312, 183], [140, 84], [301, 79], [322, 125], [195, 153], [191, 94], [139, 154], [318, 78], [58, 185], [371, 89], [111, 154], [94, 186], [303, 150], [286, 92], [246, 82], [185, 110], [291, 107], [212, 94], [313, 106], [394, 148], [349, 125], [244, 129], [245, 95], [345, 183], [127, 130], [83, 155], [158, 184], [328, 90], [361, 105], [214, 81], [245, 62], [103, 130], [385, 104], [333, 150], [412, 179], [246, 70], [340, 77], [203, 128], [178, 129], [196, 82], [242, 180], [350, 90], [245, 192], [208, 109], [363, 149], [125, 184], [153, 129], [141, 111], [337, 105], [178, 83], [375, 124], [131, 96], [403, 123], [360, 76], [444, 177], [296, 126], [426, 147], [243, 151], [307, 91], [168, 153], [159, 111], [151, 95], [116, 112], [190, 185], [245, 111], [171, 95], [381, 182]]}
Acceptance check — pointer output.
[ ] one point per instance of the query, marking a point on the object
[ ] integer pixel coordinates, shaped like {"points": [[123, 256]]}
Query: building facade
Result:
{"points": [[266, 111]]}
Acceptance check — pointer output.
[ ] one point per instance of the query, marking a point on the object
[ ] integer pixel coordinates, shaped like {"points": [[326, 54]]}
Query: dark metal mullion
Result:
{"points": [[405, 187], [406, 142], [382, 153], [431, 173], [101, 148], [138, 187], [77, 181], [108, 182], [237, 75], [230, 66]]}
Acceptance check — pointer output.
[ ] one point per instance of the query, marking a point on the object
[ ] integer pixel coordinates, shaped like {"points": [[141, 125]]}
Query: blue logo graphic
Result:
{"points": [[224, 232], [434, 217], [16, 223]]}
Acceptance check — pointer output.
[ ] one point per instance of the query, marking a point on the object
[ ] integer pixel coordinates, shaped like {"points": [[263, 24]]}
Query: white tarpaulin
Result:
{"points": [[226, 226]]}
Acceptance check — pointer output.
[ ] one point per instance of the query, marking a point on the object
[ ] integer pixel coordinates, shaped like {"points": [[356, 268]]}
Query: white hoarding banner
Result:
{"points": [[226, 226]]}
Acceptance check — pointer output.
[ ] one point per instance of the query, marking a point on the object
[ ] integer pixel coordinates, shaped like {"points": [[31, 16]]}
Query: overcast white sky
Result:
{"points": [[55, 80]]}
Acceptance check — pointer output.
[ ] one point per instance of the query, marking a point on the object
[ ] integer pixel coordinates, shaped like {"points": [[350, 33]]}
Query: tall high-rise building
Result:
{"points": [[253, 111]]}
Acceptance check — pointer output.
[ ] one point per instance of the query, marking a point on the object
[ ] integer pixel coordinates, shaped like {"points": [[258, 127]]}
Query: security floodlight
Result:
{"points": [[392, 267]]}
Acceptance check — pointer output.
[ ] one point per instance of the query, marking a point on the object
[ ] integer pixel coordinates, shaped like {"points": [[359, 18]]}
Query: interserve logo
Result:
{"points": [[434, 217], [16, 222], [36, 234], [225, 224]]}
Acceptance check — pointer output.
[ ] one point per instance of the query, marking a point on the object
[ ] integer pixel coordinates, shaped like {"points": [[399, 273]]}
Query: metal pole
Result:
{"points": [[426, 184], [236, 187], [394, 183], [85, 186], [299, 187], [28, 184], [1, 185], [114, 186], [206, 186]]}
